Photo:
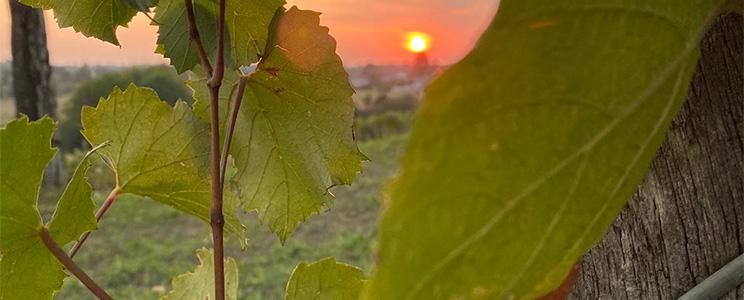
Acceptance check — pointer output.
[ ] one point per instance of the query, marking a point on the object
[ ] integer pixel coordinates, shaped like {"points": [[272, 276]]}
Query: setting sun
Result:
{"points": [[417, 42]]}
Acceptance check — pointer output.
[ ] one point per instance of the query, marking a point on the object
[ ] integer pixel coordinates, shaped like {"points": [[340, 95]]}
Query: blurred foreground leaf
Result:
{"points": [[524, 152]]}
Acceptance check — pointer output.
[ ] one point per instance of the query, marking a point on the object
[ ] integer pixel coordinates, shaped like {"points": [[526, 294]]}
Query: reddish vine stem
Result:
{"points": [[219, 69], [217, 220], [216, 217], [196, 39], [230, 127], [99, 214], [71, 266]]}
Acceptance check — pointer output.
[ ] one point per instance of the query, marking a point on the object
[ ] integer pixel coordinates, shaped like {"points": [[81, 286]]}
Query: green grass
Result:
{"points": [[140, 244]]}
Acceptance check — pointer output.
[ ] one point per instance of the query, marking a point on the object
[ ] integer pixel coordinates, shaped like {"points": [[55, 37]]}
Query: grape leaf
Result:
{"points": [[248, 25], [43, 4], [325, 280], [156, 151], [140, 5], [524, 152], [92, 18], [246, 30], [27, 269], [74, 212], [294, 135], [199, 284], [173, 32]]}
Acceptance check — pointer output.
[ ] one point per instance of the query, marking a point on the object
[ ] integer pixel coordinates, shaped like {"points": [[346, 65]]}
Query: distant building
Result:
{"points": [[421, 66]]}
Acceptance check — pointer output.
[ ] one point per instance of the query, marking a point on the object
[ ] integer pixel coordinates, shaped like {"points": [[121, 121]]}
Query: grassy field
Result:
{"points": [[141, 245]]}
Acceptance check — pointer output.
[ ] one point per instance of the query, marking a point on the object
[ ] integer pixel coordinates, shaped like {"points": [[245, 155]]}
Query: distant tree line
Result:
{"points": [[64, 79], [162, 79]]}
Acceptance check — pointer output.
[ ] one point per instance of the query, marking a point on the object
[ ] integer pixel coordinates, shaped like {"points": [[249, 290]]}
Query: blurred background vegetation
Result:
{"points": [[162, 79], [141, 245]]}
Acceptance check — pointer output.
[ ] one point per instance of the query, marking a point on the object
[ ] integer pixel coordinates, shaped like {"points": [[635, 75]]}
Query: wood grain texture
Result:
{"points": [[686, 219]]}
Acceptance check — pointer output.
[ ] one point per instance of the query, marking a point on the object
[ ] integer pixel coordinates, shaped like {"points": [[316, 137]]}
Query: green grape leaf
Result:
{"points": [[43, 4], [246, 30], [156, 151], [74, 213], [247, 26], [325, 280], [140, 5], [92, 18], [525, 151], [199, 284], [294, 135], [27, 269], [173, 32]]}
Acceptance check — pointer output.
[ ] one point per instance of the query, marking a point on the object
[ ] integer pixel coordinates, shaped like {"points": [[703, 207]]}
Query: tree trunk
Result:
{"points": [[33, 92], [687, 218], [32, 88]]}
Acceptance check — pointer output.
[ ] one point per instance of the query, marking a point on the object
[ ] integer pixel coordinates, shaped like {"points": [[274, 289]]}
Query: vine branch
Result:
{"points": [[99, 214], [70, 265], [196, 39], [216, 217], [230, 127], [219, 69], [217, 220]]}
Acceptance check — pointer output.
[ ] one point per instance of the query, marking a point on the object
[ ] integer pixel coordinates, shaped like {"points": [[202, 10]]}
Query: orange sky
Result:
{"points": [[367, 31]]}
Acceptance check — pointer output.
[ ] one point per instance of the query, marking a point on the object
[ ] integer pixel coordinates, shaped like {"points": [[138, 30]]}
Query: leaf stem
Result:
{"points": [[196, 39], [99, 214], [71, 266], [230, 127]]}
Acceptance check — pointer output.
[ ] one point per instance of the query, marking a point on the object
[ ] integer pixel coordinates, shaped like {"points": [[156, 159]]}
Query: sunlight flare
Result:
{"points": [[417, 42]]}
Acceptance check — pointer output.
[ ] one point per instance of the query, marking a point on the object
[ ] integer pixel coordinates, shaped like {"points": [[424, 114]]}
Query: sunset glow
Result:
{"points": [[417, 42], [367, 32]]}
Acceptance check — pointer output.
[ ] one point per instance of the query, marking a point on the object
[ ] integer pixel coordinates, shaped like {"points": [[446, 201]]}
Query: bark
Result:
{"points": [[686, 219], [33, 92], [32, 88]]}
